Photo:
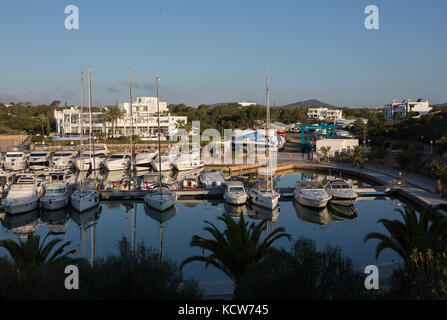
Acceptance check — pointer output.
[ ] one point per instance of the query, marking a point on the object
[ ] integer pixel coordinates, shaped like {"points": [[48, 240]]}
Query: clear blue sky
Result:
{"points": [[214, 51]]}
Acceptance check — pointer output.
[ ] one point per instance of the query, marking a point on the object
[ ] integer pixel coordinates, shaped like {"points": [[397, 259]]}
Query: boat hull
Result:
{"points": [[21, 208], [159, 204], [265, 202], [54, 204], [314, 203], [85, 203]]}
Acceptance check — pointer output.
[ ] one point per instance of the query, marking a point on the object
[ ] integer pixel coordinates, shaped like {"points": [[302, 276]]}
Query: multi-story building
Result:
{"points": [[405, 107], [145, 120], [325, 114]]}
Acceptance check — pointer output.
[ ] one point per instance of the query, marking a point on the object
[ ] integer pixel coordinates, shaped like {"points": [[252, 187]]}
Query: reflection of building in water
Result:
{"points": [[22, 224], [161, 217]]}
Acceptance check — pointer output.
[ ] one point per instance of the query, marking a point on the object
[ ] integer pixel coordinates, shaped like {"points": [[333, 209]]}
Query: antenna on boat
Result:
{"points": [[92, 140], [131, 119], [267, 93]]}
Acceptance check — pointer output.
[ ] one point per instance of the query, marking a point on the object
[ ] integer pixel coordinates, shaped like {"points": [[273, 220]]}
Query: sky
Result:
{"points": [[208, 51]]}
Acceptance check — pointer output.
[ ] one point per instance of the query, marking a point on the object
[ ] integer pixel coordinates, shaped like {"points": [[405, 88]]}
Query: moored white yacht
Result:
{"points": [[160, 198], [262, 196], [15, 160], [188, 162], [24, 195], [86, 197], [341, 192], [64, 159], [235, 193], [93, 158], [165, 163], [56, 196], [39, 159], [117, 161], [143, 159], [311, 194]]}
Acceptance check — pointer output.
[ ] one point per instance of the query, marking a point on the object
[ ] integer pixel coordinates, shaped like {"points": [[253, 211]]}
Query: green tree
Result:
{"points": [[412, 233], [236, 248]]}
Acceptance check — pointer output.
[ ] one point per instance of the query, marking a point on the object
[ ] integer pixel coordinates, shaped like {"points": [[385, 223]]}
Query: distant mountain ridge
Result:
{"points": [[308, 103], [300, 104]]}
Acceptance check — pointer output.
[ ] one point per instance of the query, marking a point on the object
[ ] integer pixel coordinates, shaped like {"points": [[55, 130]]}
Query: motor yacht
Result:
{"points": [[117, 161], [56, 196], [160, 198], [311, 194], [235, 193], [341, 192], [6, 181], [15, 160], [24, 195], [93, 158], [64, 159], [39, 159], [143, 159], [166, 161], [188, 162]]}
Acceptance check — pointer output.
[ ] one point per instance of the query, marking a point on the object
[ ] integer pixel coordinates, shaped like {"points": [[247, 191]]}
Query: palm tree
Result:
{"points": [[31, 252], [325, 151], [357, 155], [42, 121], [181, 124], [236, 248], [412, 233], [114, 113], [105, 118]]}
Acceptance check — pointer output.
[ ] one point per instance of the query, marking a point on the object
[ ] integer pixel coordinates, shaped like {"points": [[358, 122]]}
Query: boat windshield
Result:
{"points": [[62, 154], [312, 186], [14, 155], [116, 156], [38, 154], [55, 191], [236, 189]]}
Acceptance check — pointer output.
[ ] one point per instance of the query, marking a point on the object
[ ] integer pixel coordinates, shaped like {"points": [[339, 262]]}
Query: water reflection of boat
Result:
{"points": [[161, 217], [55, 219], [22, 224], [235, 211], [342, 212], [258, 212], [86, 217], [317, 216]]}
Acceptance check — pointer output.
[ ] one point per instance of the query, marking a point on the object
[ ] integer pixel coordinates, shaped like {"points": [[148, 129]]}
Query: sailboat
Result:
{"points": [[85, 198], [263, 194], [160, 197]]}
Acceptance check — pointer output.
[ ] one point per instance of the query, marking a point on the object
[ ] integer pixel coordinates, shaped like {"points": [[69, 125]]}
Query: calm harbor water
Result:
{"points": [[96, 233]]}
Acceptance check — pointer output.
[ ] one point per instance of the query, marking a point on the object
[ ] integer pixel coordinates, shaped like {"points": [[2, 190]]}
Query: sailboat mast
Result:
{"points": [[81, 120], [159, 144], [92, 140], [131, 120], [269, 183]]}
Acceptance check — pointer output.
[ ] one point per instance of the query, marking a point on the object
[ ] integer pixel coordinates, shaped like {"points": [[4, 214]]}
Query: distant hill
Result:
{"points": [[308, 103]]}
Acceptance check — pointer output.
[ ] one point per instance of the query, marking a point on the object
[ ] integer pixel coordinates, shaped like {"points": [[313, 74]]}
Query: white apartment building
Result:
{"points": [[404, 107], [325, 114], [247, 103], [145, 120]]}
